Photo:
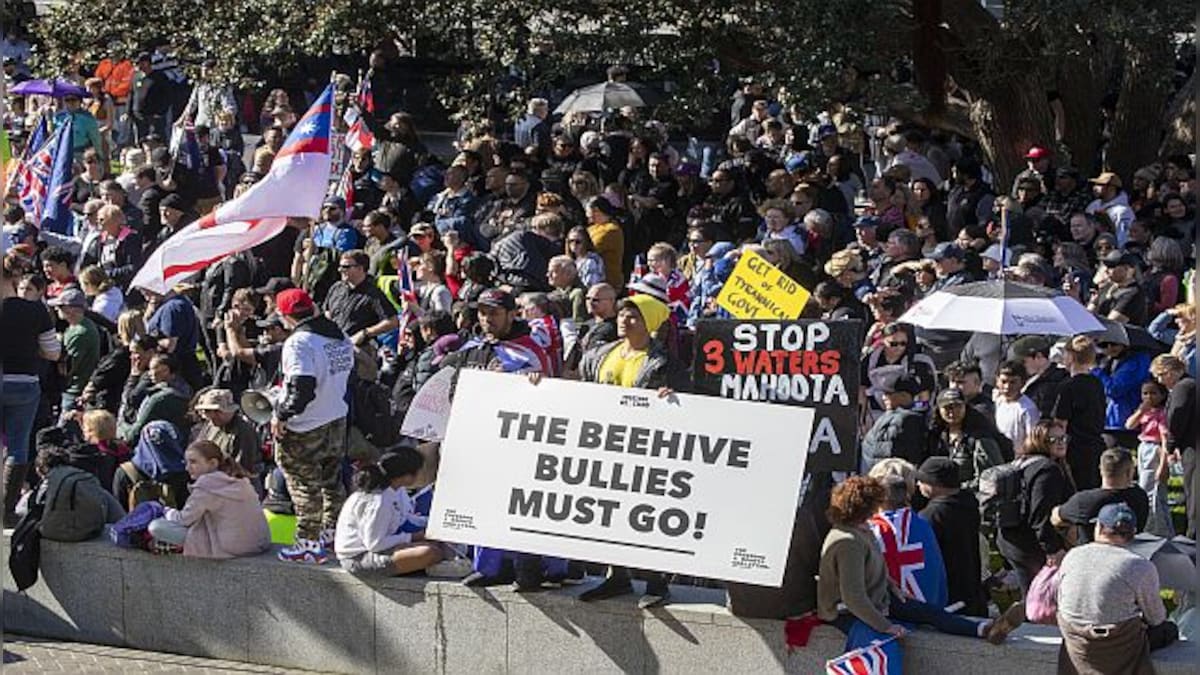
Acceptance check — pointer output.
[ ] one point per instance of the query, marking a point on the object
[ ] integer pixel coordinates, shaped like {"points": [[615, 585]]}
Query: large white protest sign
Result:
{"points": [[430, 408], [689, 484]]}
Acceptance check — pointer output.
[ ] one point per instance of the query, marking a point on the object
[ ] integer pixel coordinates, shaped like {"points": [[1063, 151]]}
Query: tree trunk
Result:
{"points": [[1136, 126], [1008, 118], [1081, 90], [1180, 121]]}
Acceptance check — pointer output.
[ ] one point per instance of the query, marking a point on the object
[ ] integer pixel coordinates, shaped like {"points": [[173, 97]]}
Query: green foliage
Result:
{"points": [[815, 51]]}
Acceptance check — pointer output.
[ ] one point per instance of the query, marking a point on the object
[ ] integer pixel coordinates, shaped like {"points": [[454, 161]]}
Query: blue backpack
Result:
{"points": [[132, 531]]}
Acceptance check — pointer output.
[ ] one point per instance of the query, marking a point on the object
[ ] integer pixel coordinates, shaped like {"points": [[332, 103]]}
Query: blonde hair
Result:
{"points": [[1082, 350], [664, 249], [1184, 309], [94, 276], [130, 326], [894, 466], [101, 423], [1167, 362]]}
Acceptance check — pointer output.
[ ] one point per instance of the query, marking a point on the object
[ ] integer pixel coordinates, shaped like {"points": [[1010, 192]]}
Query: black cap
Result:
{"points": [[494, 297], [1030, 345], [273, 320], [1118, 258], [900, 382], [274, 285], [940, 472], [172, 201]]}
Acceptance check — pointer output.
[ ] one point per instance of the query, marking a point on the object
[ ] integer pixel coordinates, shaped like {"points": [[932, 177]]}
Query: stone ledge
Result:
{"points": [[261, 610]]}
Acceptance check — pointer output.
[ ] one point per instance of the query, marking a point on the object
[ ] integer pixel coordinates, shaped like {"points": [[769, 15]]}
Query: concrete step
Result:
{"points": [[286, 615]]}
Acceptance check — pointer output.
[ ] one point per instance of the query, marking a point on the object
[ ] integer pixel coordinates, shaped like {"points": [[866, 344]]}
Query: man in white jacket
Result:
{"points": [[1113, 202]]}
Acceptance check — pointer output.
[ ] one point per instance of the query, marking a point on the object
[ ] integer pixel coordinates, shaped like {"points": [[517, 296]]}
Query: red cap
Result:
{"points": [[293, 301], [1037, 152]]}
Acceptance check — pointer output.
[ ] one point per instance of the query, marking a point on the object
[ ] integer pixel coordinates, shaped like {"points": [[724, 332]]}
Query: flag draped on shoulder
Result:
{"points": [[294, 187]]}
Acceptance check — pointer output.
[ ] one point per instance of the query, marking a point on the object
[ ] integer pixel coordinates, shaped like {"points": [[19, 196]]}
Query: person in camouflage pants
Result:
{"points": [[311, 463]]}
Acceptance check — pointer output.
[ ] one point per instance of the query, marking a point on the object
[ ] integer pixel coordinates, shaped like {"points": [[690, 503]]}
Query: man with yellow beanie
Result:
{"points": [[635, 360]]}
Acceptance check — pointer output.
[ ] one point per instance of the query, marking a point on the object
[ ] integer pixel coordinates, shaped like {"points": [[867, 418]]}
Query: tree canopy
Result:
{"points": [[944, 63]]}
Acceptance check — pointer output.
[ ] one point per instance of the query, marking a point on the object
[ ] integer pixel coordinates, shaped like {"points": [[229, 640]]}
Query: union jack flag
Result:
{"points": [[33, 178], [903, 553], [546, 333], [870, 660], [408, 291]]}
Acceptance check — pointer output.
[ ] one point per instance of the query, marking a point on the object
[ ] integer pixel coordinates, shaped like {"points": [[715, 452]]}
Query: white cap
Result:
{"points": [[998, 253]]}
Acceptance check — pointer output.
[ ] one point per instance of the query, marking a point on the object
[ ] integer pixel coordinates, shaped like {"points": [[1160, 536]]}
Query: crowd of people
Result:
{"points": [[589, 247]]}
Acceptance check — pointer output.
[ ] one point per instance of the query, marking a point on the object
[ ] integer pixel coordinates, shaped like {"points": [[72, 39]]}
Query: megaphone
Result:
{"points": [[259, 404]]}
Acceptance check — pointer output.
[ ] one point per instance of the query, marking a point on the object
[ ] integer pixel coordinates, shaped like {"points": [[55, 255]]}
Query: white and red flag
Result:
{"points": [[294, 187]]}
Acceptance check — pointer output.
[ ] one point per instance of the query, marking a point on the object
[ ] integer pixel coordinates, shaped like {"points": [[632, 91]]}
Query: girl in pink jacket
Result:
{"points": [[222, 517]]}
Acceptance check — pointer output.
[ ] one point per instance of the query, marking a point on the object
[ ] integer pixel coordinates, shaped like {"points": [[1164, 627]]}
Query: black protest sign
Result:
{"points": [[807, 363]]}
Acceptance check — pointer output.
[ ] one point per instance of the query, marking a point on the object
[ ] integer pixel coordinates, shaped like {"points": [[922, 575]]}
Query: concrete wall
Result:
{"points": [[263, 611]]}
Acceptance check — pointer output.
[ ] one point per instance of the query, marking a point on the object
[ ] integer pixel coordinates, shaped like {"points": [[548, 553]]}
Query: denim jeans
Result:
{"points": [[18, 408], [167, 531], [915, 611]]}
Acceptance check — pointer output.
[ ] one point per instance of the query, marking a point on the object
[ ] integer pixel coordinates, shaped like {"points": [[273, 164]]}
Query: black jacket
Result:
{"points": [[955, 521], [108, 380], [522, 258], [1045, 486], [1181, 414], [1043, 390], [899, 432]]}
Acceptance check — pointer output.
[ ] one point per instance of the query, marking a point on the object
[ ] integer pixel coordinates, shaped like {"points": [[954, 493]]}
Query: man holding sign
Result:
{"points": [[635, 360]]}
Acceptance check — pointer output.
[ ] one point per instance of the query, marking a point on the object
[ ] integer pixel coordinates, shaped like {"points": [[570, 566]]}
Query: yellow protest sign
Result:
{"points": [[758, 290]]}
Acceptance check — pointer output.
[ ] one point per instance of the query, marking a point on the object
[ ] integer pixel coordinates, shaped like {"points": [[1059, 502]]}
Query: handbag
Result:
{"points": [[1041, 604]]}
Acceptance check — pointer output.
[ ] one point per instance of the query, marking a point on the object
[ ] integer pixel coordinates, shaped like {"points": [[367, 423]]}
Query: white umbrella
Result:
{"points": [[1002, 307], [604, 96]]}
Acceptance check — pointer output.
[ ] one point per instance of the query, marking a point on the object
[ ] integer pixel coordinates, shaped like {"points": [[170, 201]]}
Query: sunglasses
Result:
{"points": [[1057, 439], [893, 343], [344, 266], [1106, 345]]}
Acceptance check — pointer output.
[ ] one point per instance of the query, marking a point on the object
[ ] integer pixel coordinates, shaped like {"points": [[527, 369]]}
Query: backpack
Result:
{"points": [[75, 508], [148, 490], [133, 531], [372, 413], [25, 547], [321, 273], [1002, 492]]}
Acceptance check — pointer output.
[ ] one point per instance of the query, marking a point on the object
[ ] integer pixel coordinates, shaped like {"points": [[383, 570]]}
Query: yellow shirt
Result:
{"points": [[621, 367]]}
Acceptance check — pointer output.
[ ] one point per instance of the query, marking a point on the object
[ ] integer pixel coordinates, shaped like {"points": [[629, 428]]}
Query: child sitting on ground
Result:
{"points": [[370, 539], [222, 517]]}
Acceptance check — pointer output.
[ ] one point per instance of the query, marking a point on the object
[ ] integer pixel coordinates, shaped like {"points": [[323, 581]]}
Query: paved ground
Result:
{"points": [[35, 655]]}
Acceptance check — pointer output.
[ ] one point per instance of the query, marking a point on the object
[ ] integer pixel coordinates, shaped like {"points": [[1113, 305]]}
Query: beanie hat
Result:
{"points": [[653, 311]]}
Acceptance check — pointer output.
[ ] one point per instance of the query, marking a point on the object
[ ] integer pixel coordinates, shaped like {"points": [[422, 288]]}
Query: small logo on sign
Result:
{"points": [[635, 401]]}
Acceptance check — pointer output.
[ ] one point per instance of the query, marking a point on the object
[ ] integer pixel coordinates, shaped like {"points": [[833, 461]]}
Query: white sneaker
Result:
{"points": [[305, 551]]}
